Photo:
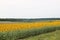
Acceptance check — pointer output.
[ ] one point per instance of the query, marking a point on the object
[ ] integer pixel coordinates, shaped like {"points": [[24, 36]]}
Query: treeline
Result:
{"points": [[28, 20]]}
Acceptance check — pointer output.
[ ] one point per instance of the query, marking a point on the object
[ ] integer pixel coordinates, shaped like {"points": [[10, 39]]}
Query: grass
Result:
{"points": [[47, 36]]}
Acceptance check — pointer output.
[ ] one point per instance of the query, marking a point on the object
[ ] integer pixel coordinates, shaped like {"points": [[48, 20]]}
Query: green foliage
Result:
{"points": [[29, 20], [21, 34], [47, 36]]}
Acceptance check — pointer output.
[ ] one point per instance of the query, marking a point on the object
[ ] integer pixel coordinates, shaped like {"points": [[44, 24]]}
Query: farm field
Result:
{"points": [[27, 25], [47, 36], [33, 30]]}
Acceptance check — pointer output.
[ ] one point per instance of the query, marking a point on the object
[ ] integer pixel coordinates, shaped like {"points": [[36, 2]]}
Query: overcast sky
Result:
{"points": [[29, 8]]}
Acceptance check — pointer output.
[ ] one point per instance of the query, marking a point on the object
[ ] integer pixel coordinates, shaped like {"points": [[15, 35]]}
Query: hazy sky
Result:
{"points": [[29, 8]]}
